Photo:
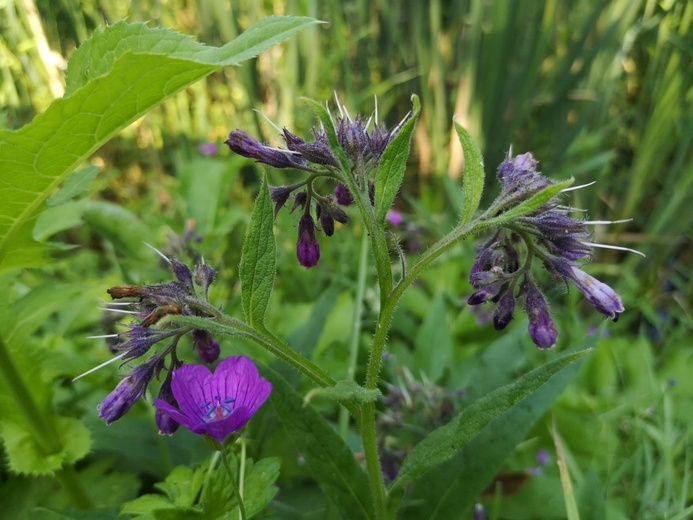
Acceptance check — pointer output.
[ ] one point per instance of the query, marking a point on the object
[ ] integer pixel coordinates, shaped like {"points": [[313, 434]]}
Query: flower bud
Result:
{"points": [[204, 276], [343, 195], [242, 144], [307, 247], [503, 314], [129, 390], [327, 223], [603, 297], [542, 329], [167, 426], [207, 348]]}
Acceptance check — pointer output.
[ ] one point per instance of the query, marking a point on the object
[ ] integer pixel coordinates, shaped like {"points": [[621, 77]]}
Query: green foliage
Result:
{"points": [[27, 457], [258, 263], [447, 441], [123, 72], [390, 172], [593, 89], [338, 474], [183, 486], [473, 177]]}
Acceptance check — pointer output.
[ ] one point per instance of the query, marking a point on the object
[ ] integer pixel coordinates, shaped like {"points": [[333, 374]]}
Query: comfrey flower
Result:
{"points": [[502, 270], [361, 142], [216, 405], [148, 305]]}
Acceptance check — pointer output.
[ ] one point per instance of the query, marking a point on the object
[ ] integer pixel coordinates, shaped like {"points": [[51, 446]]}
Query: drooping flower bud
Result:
{"points": [[503, 314], [207, 348], [343, 195], [128, 391], [542, 329], [241, 143], [327, 223], [307, 247], [166, 425], [603, 297]]}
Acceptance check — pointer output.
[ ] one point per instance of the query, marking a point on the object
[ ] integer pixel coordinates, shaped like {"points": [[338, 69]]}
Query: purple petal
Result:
{"points": [[237, 378], [221, 429], [192, 389]]}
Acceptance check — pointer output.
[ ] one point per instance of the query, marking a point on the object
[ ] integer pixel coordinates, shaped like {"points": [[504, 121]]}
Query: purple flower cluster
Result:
{"points": [[502, 270], [362, 146], [148, 304]]}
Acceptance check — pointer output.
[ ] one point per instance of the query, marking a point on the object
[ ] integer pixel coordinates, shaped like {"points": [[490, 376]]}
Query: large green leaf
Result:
{"points": [[455, 485], [445, 442], [259, 259], [113, 79], [473, 179], [338, 473], [390, 172]]}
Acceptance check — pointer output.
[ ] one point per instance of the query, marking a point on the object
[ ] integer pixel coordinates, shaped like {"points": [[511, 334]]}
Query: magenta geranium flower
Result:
{"points": [[217, 404]]}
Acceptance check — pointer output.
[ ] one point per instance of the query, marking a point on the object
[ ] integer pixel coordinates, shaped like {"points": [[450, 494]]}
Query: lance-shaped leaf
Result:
{"points": [[113, 79], [473, 177], [336, 470], [259, 259], [531, 204], [393, 163], [445, 442]]}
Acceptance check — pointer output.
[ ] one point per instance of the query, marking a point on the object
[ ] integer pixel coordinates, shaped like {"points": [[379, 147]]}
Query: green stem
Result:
{"points": [[234, 485], [270, 342], [381, 253], [41, 428], [370, 451], [343, 427], [387, 310]]}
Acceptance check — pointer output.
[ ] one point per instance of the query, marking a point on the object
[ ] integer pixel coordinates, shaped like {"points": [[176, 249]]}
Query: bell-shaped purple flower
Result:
{"points": [[542, 329], [603, 297], [217, 405], [307, 247], [128, 391]]}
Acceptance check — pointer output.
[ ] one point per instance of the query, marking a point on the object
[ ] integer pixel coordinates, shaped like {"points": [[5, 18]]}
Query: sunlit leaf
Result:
{"points": [[113, 79], [259, 259]]}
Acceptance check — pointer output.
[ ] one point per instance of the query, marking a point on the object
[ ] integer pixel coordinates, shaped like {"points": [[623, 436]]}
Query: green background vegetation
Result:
{"points": [[597, 90]]}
